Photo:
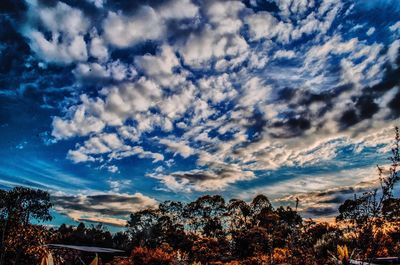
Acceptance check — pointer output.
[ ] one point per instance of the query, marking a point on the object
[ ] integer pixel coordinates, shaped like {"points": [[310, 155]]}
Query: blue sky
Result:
{"points": [[114, 106]]}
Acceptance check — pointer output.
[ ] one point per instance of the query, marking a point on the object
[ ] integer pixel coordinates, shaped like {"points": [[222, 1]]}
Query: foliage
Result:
{"points": [[17, 207], [370, 214], [148, 256]]}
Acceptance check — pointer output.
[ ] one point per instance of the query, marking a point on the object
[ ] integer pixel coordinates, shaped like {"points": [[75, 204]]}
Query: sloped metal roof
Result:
{"points": [[86, 248]]}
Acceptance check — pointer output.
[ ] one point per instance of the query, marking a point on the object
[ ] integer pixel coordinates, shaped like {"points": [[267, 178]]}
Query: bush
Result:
{"points": [[143, 255]]}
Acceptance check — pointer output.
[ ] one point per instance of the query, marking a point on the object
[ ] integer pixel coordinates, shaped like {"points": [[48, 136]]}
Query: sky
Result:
{"points": [[115, 106]]}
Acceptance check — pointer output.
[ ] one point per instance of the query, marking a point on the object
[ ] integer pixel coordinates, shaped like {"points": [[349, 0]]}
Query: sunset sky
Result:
{"points": [[114, 106]]}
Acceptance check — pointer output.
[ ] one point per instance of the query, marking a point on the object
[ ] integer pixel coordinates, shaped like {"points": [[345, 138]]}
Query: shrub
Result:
{"points": [[143, 255]]}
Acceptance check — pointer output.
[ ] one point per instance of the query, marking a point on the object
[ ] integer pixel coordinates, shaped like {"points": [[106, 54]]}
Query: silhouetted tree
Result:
{"points": [[205, 215], [369, 212], [17, 207], [239, 213]]}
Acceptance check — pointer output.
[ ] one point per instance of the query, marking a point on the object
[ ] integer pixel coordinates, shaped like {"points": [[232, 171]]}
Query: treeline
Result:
{"points": [[211, 230]]}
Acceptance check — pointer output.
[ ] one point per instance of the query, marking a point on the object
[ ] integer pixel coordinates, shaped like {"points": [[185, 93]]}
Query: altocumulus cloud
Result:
{"points": [[226, 89], [308, 106]]}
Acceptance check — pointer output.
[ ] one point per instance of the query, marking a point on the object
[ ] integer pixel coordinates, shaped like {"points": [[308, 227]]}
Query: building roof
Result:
{"points": [[86, 248]]}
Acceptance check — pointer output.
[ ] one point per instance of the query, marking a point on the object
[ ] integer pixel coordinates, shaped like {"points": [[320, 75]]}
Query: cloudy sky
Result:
{"points": [[114, 106]]}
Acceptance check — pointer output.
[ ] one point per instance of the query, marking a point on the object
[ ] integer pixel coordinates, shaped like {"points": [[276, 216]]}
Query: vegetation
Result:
{"points": [[210, 230]]}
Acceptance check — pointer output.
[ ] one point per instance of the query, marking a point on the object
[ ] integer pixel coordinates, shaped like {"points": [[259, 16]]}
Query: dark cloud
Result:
{"points": [[257, 124], [49, 3], [220, 172], [14, 49], [389, 80], [325, 203], [14, 8], [127, 55], [286, 94], [296, 123], [90, 204], [291, 127], [109, 208], [343, 191], [336, 200], [262, 5], [129, 6], [194, 177], [394, 105], [348, 118], [307, 97], [321, 211], [365, 106]]}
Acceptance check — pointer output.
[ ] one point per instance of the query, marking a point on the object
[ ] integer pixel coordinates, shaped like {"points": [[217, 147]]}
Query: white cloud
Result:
{"points": [[54, 51], [393, 52], [178, 147], [77, 156], [175, 105], [265, 25], [295, 7], [117, 185], [96, 145], [135, 150], [210, 44], [217, 88], [284, 54], [123, 31], [116, 71], [160, 68], [146, 24], [395, 26], [120, 103], [112, 169], [98, 48], [255, 92], [218, 177], [370, 31], [79, 124], [67, 26], [178, 9], [64, 19], [97, 3], [218, 39]]}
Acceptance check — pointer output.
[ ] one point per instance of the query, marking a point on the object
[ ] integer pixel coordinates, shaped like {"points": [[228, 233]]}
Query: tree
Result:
{"points": [[239, 213], [28, 242], [18, 206], [251, 242], [121, 241], [205, 215], [141, 227], [369, 212], [21, 204], [143, 255]]}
